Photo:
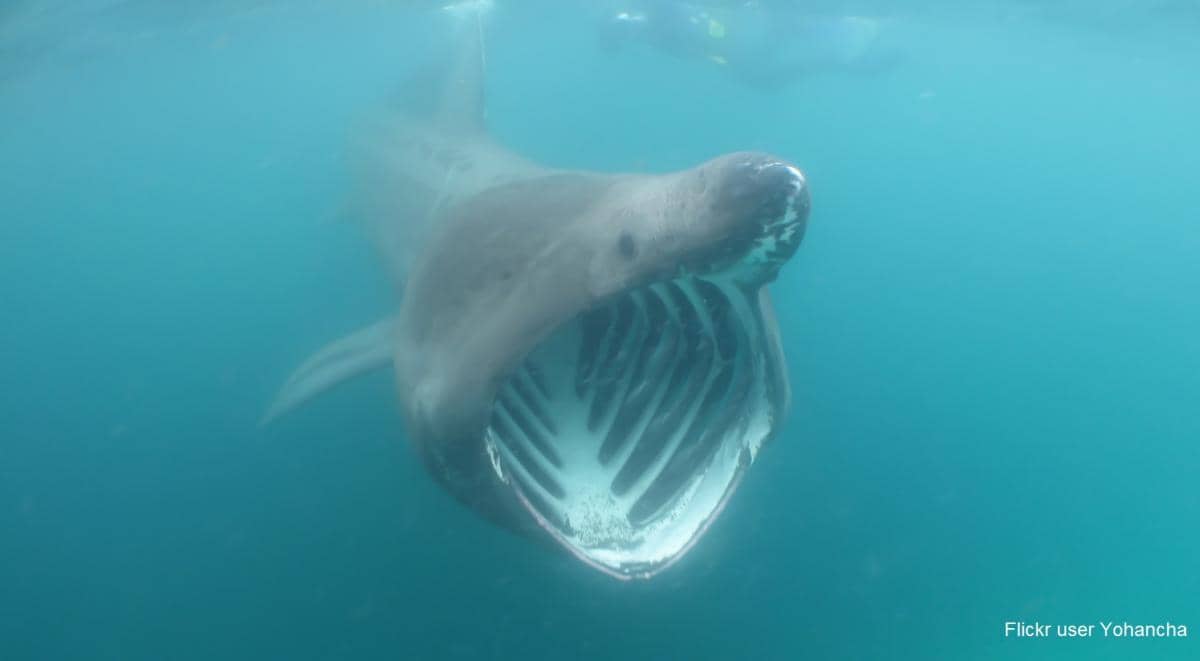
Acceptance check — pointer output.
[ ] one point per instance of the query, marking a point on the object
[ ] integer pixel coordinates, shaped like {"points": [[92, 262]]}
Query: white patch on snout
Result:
{"points": [[800, 181]]}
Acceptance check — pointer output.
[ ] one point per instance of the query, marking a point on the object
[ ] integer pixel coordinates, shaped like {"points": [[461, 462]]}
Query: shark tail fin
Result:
{"points": [[360, 352]]}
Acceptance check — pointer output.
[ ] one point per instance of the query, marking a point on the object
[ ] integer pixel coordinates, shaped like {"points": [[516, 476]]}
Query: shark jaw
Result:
{"points": [[626, 431]]}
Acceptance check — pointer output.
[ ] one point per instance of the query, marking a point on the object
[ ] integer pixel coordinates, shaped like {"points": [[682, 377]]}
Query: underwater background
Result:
{"points": [[992, 330]]}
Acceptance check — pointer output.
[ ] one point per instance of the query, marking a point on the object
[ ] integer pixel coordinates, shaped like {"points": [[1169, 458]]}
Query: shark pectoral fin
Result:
{"points": [[355, 354]]}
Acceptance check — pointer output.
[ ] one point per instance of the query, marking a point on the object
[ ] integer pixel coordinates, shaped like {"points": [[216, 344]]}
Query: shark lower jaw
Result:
{"points": [[625, 432]]}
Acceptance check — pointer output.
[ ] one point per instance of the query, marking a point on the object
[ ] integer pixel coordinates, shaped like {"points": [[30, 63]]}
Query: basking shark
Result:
{"points": [[586, 357]]}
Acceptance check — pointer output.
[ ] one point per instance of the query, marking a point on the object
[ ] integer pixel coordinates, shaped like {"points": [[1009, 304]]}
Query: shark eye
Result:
{"points": [[626, 246]]}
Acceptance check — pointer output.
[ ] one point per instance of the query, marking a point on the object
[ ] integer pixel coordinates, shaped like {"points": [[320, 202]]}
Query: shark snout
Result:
{"points": [[759, 175], [762, 204], [768, 188], [759, 190]]}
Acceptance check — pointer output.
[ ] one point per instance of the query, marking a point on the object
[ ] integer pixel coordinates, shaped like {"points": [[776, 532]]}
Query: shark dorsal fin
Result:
{"points": [[453, 89], [461, 103]]}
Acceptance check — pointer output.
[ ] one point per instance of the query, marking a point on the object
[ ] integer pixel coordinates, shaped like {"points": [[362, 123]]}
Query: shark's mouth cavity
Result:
{"points": [[625, 431]]}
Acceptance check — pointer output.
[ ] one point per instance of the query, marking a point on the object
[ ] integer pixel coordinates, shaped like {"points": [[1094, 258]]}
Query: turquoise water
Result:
{"points": [[991, 331]]}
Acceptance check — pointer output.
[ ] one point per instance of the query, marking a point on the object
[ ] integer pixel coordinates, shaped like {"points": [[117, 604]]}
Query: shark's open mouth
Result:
{"points": [[625, 432]]}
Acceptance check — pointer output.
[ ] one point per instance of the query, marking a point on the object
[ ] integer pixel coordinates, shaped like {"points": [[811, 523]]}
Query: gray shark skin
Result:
{"points": [[586, 357]]}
